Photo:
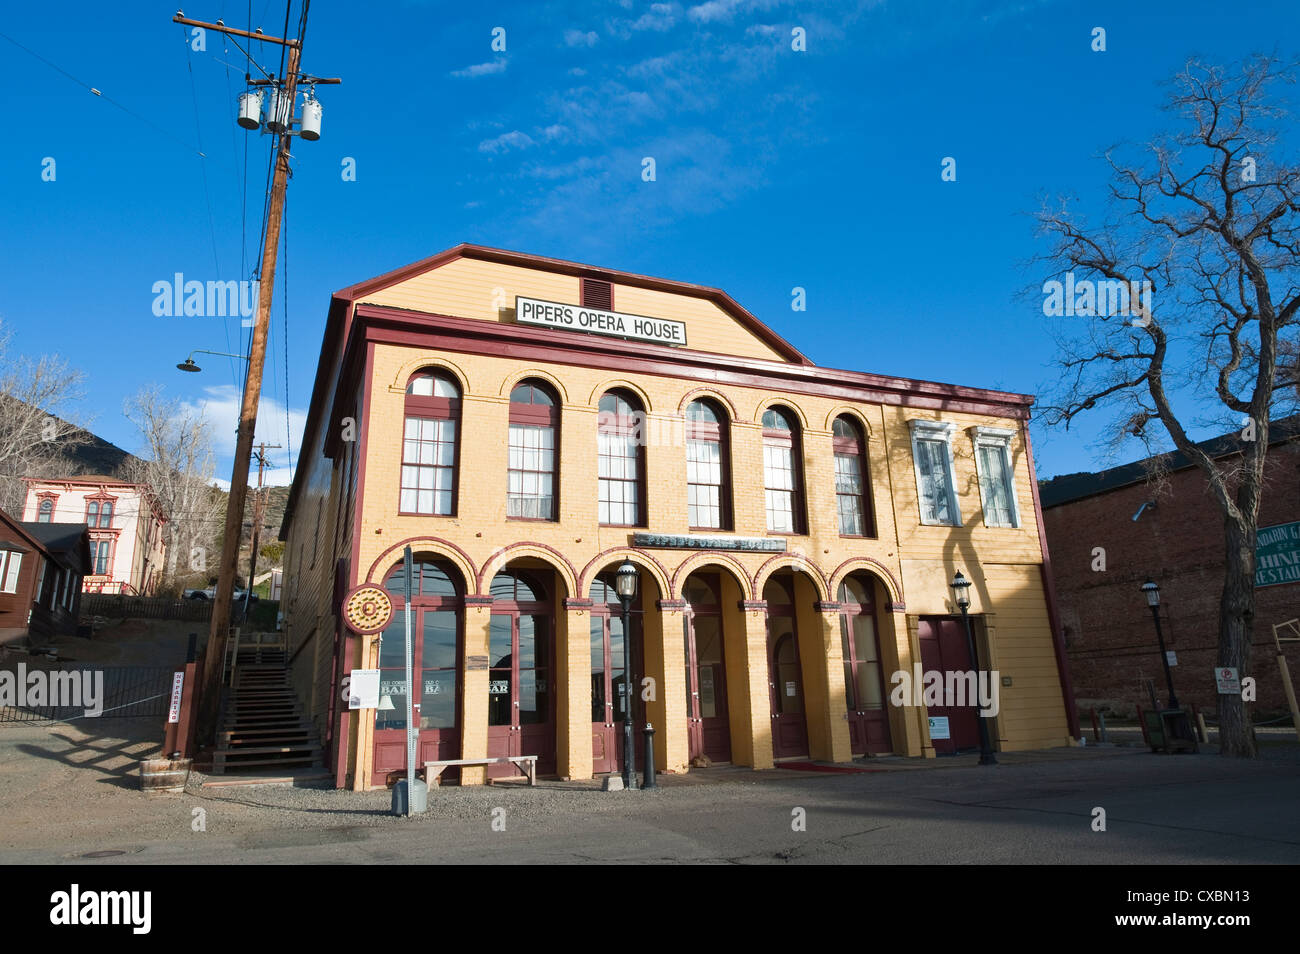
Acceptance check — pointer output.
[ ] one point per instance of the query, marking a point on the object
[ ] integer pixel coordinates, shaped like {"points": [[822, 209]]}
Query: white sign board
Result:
{"points": [[178, 684], [1171, 657], [363, 689], [551, 314], [1228, 681], [939, 727]]}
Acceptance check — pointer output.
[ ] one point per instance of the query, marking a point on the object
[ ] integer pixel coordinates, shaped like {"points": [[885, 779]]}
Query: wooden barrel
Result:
{"points": [[164, 776]]}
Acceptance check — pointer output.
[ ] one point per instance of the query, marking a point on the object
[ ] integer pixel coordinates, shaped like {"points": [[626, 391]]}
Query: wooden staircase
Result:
{"points": [[263, 726]]}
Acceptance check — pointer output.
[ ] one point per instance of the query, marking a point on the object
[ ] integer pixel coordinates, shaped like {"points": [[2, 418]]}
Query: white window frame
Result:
{"points": [[998, 438], [935, 431], [11, 564]]}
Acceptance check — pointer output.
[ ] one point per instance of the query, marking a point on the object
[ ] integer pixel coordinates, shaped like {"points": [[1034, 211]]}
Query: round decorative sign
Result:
{"points": [[367, 610]]}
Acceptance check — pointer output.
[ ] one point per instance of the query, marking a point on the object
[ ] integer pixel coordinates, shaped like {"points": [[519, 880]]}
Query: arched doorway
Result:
{"points": [[864, 685], [521, 666], [708, 727], [437, 617], [785, 677]]}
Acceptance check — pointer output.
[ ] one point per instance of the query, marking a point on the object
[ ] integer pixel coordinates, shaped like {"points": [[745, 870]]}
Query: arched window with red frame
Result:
{"points": [[708, 477], [782, 471], [45, 511], [621, 460], [531, 492], [852, 491], [429, 444]]}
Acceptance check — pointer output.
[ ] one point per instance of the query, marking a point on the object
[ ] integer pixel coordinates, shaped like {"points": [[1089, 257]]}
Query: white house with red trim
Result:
{"points": [[127, 549]]}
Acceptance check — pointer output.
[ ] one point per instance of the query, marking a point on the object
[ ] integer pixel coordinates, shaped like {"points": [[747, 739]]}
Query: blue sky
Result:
{"points": [[775, 169]]}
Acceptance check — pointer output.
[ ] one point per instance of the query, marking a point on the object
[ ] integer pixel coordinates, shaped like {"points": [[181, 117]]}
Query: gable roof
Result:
{"points": [[67, 544], [1071, 487], [576, 269]]}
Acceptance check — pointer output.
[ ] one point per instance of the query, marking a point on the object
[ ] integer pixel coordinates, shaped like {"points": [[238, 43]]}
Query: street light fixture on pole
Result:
{"points": [[1151, 590], [189, 365], [960, 587], [625, 582]]}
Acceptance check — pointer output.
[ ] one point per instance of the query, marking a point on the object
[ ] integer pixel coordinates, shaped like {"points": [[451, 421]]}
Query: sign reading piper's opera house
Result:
{"points": [[531, 311]]}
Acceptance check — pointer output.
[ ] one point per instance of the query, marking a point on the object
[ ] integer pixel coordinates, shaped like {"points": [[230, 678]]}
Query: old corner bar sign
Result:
{"points": [[531, 311], [367, 610]]}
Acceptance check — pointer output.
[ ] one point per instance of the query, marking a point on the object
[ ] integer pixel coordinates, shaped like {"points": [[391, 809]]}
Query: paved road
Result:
{"points": [[1159, 809]]}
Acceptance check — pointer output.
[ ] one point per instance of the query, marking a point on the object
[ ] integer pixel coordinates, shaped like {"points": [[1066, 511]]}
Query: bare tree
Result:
{"points": [[177, 464], [35, 394], [1208, 218]]}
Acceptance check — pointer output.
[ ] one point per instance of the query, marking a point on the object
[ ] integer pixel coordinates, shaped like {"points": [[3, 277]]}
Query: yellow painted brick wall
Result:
{"points": [[472, 288]]}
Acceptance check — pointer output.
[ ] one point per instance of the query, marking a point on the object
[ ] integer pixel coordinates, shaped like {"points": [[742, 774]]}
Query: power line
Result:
{"points": [[108, 99]]}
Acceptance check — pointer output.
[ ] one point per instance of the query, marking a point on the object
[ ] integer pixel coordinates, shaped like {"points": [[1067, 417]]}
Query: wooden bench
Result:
{"points": [[527, 764]]}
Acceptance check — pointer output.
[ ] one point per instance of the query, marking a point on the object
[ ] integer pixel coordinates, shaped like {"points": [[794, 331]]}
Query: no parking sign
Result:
{"points": [[1228, 681]]}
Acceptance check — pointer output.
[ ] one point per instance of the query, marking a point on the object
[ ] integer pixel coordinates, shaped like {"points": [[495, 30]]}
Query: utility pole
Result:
{"points": [[215, 654], [259, 512]]}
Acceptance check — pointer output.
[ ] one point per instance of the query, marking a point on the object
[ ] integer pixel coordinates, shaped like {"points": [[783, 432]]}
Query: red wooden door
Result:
{"points": [[864, 689], [436, 653], [604, 756], [503, 723], [521, 711], [944, 650], [709, 731], [785, 684]]}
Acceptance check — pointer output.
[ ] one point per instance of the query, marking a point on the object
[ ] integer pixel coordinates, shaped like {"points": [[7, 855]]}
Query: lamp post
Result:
{"points": [[625, 582], [1151, 590], [960, 587]]}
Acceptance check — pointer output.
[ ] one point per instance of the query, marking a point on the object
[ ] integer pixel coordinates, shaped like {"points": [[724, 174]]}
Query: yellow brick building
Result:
{"points": [[527, 425]]}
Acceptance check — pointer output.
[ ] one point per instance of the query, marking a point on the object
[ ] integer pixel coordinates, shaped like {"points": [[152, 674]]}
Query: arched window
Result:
{"points": [[852, 497], [106, 514], [534, 420], [782, 471], [429, 447], [92, 513], [45, 512], [621, 460], [708, 500]]}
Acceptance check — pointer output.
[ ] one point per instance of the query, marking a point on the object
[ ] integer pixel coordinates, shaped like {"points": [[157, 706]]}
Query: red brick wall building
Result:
{"points": [[1177, 541]]}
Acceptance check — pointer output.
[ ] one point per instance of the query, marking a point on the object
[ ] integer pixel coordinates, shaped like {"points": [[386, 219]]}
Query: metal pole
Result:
{"points": [[629, 747], [649, 780], [410, 696], [1164, 659], [986, 748], [210, 697]]}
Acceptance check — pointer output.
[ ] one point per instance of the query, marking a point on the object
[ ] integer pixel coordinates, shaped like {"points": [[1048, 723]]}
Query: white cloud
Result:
{"points": [[660, 17], [482, 69], [578, 38], [220, 407], [505, 142], [713, 10]]}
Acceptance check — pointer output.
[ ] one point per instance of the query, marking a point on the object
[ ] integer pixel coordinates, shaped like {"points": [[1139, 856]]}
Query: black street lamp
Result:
{"points": [[960, 586], [1151, 590], [189, 365], [625, 582]]}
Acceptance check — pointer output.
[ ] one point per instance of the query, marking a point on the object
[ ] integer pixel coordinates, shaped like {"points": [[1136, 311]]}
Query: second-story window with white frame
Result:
{"points": [[936, 483], [997, 486]]}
